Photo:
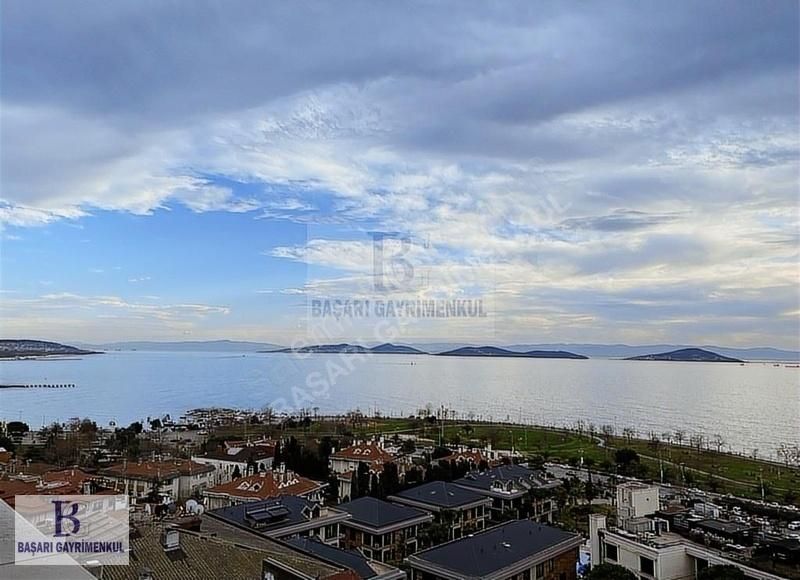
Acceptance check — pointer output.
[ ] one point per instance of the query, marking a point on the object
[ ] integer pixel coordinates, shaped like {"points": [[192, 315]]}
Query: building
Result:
{"points": [[520, 549], [469, 509], [262, 486], [9, 488], [354, 564], [383, 531], [346, 479], [516, 490], [88, 483], [349, 458], [176, 478], [285, 517], [724, 531], [645, 545], [636, 500], [237, 457], [161, 552], [657, 554]]}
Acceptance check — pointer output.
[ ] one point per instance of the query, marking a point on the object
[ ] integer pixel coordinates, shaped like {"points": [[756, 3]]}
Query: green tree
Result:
{"points": [[408, 446], [439, 531], [627, 460], [17, 428], [6, 443], [725, 572], [610, 572]]}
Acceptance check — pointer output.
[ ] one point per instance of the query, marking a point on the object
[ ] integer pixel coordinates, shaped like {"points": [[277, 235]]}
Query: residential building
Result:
{"points": [[237, 458], [285, 517], [468, 509], [176, 478], [167, 552], [349, 458], [518, 550], [515, 490], [347, 479], [10, 488], [636, 500], [383, 531], [88, 483], [262, 486], [657, 554], [354, 564]]}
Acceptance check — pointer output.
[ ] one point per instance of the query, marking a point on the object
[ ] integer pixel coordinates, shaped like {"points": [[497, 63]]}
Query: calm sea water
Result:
{"points": [[756, 406]]}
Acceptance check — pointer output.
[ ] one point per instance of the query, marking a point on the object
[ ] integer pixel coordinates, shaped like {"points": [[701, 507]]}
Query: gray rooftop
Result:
{"points": [[440, 494], [377, 513], [489, 552]]}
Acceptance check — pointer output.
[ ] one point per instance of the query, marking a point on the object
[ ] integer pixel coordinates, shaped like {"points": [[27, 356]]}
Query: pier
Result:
{"points": [[41, 386]]}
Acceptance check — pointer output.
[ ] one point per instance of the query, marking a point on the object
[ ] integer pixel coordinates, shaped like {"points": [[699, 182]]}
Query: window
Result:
{"points": [[540, 570], [647, 566], [611, 552]]}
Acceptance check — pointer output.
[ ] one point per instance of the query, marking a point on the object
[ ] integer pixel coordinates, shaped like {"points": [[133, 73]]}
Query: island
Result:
{"points": [[687, 355], [20, 348], [494, 351], [345, 348]]}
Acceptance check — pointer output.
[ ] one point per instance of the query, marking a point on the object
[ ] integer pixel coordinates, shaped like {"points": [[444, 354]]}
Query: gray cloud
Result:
{"points": [[653, 142]]}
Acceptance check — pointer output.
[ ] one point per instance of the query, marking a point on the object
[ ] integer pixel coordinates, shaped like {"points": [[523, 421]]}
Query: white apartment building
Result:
{"points": [[645, 546]]}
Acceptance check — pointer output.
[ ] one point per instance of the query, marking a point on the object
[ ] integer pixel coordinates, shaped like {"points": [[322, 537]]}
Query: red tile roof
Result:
{"points": [[74, 476], [267, 484], [364, 452], [165, 469], [12, 487]]}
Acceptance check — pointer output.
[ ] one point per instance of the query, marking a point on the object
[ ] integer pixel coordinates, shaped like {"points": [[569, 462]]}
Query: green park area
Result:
{"points": [[669, 462]]}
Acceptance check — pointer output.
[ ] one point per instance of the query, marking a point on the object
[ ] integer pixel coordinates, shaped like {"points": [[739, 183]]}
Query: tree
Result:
{"points": [[6, 443], [610, 572], [626, 459], [440, 530], [726, 572], [362, 481], [390, 479], [17, 428], [408, 446]]}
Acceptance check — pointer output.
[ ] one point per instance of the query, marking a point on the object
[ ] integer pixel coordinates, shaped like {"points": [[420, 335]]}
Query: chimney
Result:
{"points": [[170, 540]]}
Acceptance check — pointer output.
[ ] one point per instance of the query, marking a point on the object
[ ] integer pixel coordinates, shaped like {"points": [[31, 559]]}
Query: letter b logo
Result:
{"points": [[60, 516]]}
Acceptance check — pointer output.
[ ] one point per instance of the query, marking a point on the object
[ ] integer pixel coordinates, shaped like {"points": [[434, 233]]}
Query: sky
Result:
{"points": [[622, 172]]}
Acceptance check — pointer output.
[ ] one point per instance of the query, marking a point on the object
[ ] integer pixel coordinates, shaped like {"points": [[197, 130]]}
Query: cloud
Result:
{"points": [[602, 152]]}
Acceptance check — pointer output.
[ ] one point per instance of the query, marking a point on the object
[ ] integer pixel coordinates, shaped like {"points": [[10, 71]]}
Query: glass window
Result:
{"points": [[647, 566], [611, 552]]}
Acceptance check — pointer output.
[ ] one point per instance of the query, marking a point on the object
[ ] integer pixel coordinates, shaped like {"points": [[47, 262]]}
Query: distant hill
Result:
{"points": [[494, 351], [627, 351], [386, 348], [23, 347], [687, 355], [189, 346]]}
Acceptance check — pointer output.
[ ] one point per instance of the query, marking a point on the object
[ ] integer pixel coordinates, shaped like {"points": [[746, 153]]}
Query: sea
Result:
{"points": [[753, 408]]}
